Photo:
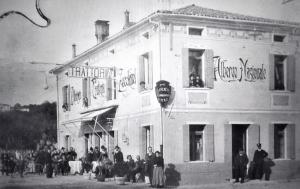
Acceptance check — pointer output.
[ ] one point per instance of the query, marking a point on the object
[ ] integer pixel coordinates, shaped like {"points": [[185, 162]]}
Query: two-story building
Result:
{"points": [[234, 80]]}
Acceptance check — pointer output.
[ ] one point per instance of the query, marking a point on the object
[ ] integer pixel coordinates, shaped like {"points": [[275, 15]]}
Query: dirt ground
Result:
{"points": [[78, 181]]}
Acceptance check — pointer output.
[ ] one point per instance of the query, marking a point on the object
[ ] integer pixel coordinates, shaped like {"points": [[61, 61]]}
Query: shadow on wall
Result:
{"points": [[172, 176], [267, 171]]}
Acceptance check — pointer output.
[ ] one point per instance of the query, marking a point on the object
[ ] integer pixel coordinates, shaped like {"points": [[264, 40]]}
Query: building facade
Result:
{"points": [[234, 81]]}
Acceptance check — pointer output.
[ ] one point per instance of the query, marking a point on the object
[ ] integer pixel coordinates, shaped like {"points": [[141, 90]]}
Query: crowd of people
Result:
{"points": [[49, 161], [52, 162]]}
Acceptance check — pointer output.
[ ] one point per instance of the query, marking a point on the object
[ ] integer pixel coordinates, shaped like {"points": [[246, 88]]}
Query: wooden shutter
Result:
{"points": [[152, 136], [228, 143], [142, 139], [186, 142], [109, 88], [88, 92], [84, 88], [271, 141], [271, 72], [185, 67], [290, 135], [69, 97], [64, 94], [150, 86], [141, 69], [253, 139], [209, 68], [291, 73], [209, 143]]}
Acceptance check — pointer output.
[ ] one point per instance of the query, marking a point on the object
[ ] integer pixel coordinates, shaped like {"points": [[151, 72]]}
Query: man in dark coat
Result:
{"points": [[149, 158], [118, 155], [240, 165], [258, 160], [72, 154], [96, 154], [48, 161]]}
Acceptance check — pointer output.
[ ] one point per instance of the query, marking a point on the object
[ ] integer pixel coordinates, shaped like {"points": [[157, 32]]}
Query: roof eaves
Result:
{"points": [[98, 46]]}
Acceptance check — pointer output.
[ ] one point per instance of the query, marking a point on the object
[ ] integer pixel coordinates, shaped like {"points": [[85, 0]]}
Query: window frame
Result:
{"points": [[203, 67], [285, 39], [204, 142], [285, 78], [285, 140], [203, 28], [149, 75]]}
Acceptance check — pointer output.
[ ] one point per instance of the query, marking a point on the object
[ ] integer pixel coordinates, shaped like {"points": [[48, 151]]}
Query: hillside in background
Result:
{"points": [[23, 127]]}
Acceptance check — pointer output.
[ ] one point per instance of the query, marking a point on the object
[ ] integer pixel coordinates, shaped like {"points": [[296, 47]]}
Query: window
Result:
{"points": [[279, 141], [198, 68], [279, 38], [145, 70], [282, 141], [196, 142], [195, 31], [66, 98], [86, 93], [282, 72]]}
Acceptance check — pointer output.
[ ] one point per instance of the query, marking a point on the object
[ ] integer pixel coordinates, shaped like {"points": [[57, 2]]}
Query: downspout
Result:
{"points": [[160, 77], [57, 115]]}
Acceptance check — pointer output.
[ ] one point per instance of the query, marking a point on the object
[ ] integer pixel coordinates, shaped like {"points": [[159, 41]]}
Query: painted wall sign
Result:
{"points": [[90, 72], [241, 72], [127, 79], [163, 92], [98, 88]]}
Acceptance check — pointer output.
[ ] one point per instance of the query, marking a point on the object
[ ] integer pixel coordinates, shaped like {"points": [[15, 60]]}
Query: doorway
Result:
{"points": [[239, 140]]}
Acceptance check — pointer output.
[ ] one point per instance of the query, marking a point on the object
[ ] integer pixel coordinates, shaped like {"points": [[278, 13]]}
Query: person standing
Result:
{"points": [[48, 161], [149, 158], [158, 171], [258, 160], [240, 165], [118, 155]]}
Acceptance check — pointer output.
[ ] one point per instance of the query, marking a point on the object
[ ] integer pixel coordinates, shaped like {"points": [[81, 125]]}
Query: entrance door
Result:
{"points": [[239, 140]]}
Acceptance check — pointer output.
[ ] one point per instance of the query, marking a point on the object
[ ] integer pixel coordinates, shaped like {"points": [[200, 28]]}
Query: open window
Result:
{"points": [[195, 31], [198, 68], [146, 72], [66, 97], [198, 142], [282, 72], [86, 92], [279, 38]]}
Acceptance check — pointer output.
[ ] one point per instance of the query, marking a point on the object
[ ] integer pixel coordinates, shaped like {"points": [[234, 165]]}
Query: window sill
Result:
{"points": [[281, 159], [282, 91], [197, 162], [196, 88], [145, 91]]}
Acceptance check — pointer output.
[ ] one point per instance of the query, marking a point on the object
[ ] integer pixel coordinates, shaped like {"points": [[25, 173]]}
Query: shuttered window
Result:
{"points": [[197, 68], [146, 71], [282, 141], [86, 92], [66, 98], [198, 142], [282, 72]]}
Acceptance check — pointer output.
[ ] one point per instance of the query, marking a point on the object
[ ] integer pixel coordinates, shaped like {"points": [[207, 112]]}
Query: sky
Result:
{"points": [[72, 21]]}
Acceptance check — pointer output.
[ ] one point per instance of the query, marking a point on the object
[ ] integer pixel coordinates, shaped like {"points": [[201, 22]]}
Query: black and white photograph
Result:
{"points": [[150, 94]]}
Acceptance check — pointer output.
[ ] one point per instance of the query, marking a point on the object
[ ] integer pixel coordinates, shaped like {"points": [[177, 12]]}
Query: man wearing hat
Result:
{"points": [[258, 161], [240, 165]]}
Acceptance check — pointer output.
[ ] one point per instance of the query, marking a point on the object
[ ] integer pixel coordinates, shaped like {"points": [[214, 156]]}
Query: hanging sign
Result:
{"points": [[163, 92], [91, 72]]}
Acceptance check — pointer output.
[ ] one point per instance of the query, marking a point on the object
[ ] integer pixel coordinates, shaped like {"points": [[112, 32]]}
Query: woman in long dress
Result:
{"points": [[158, 171]]}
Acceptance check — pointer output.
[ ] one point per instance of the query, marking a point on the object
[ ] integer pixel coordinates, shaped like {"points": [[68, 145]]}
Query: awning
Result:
{"points": [[89, 116]]}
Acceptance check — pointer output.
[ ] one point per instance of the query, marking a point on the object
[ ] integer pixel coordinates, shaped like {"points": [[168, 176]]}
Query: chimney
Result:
{"points": [[126, 23], [73, 50], [101, 30]]}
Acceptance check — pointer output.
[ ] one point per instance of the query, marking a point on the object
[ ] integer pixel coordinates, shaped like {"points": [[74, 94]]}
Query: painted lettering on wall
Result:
{"points": [[243, 71], [127, 79], [98, 88], [75, 96], [90, 72]]}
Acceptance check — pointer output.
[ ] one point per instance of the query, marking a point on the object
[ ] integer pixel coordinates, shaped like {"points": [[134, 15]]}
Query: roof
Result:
{"points": [[191, 10], [194, 10]]}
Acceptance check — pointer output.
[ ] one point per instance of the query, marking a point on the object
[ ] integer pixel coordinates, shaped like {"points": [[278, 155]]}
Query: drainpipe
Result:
{"points": [[160, 77], [57, 114]]}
